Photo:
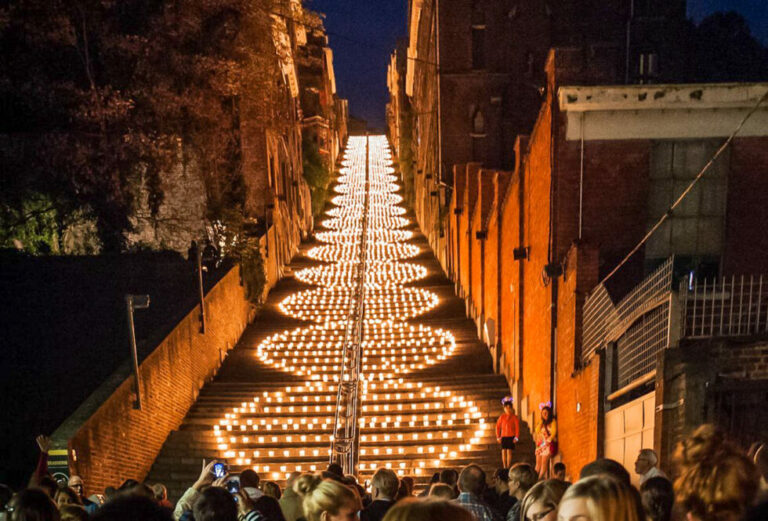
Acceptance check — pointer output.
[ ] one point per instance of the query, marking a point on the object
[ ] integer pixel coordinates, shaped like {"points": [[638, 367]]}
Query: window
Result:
{"points": [[696, 228], [648, 67], [478, 47], [529, 64], [478, 122]]}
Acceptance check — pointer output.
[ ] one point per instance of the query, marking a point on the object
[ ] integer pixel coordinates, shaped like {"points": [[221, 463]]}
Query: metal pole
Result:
{"points": [[202, 291], [134, 353]]}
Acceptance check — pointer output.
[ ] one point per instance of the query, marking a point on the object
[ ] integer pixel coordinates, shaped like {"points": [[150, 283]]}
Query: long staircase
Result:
{"points": [[428, 395]]}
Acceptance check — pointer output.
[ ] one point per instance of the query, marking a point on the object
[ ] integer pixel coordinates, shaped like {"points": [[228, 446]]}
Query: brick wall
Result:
{"points": [[577, 390], [109, 441], [466, 243], [536, 296], [746, 248], [510, 271]]}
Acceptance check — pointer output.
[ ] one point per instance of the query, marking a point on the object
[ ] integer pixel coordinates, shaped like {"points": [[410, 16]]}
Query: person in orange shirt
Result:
{"points": [[507, 431]]}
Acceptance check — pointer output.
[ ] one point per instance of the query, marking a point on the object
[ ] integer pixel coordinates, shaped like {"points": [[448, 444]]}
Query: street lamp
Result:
{"points": [[135, 302]]}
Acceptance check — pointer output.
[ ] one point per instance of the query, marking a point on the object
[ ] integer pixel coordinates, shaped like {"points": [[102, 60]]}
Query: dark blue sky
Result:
{"points": [[363, 33]]}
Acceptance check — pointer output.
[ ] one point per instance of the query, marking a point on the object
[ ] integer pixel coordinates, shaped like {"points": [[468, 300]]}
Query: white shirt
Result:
{"points": [[655, 472]]}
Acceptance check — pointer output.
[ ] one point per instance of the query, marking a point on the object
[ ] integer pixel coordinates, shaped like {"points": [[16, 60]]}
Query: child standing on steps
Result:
{"points": [[507, 431]]}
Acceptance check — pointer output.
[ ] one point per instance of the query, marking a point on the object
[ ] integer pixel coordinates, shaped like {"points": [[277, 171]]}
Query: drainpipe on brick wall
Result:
{"points": [[552, 255]]}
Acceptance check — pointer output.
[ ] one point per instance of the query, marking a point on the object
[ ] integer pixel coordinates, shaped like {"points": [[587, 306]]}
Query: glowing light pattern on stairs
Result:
{"points": [[406, 425]]}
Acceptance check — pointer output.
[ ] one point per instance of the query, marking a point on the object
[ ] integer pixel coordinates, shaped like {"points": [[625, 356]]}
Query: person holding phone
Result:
{"points": [[213, 474]]}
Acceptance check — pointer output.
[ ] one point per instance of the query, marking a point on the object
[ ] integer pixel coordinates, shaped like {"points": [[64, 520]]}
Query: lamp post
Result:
{"points": [[135, 302], [201, 289]]}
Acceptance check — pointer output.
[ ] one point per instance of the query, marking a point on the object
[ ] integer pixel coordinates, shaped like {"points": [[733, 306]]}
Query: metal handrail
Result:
{"points": [[344, 442]]}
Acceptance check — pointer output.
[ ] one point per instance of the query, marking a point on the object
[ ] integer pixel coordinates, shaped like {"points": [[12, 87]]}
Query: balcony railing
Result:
{"points": [[653, 317], [729, 306]]}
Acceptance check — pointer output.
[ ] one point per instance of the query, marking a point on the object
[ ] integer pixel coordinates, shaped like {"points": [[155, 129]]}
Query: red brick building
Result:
{"points": [[490, 54], [528, 250]]}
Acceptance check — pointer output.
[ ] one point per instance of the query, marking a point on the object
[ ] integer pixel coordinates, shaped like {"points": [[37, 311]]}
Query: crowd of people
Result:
{"points": [[715, 481]]}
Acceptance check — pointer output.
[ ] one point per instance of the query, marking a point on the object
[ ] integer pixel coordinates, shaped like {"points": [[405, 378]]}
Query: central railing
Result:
{"points": [[344, 442]]}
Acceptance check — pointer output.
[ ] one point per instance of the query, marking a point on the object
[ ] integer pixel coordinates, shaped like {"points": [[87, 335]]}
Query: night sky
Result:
{"points": [[363, 33]]}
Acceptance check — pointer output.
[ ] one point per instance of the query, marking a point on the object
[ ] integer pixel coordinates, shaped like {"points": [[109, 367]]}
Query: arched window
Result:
{"points": [[478, 122]]}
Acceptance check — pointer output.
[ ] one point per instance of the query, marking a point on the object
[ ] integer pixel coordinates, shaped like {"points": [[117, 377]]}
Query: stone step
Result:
{"points": [[256, 414]]}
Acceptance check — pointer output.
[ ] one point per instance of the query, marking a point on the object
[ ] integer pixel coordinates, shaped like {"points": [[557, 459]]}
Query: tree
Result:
{"points": [[726, 50], [99, 92]]}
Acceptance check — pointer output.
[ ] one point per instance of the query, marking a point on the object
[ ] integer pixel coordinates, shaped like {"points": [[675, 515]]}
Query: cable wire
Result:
{"points": [[687, 190]]}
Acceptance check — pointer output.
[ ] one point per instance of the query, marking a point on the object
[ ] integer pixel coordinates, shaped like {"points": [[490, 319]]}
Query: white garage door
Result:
{"points": [[628, 429]]}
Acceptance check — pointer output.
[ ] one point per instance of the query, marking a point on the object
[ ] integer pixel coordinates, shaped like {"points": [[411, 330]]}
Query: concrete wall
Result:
{"points": [[108, 440]]}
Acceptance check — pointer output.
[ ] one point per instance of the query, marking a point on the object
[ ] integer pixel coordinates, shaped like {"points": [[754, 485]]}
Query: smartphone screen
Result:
{"points": [[219, 470]]}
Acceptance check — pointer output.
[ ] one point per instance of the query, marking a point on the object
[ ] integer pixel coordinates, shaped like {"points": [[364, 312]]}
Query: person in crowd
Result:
{"points": [[384, 489], [73, 513], [600, 498], [128, 485], [605, 466], [497, 496], [334, 471], [272, 489], [32, 504], [249, 481], [427, 509], [717, 482], [434, 479], [5, 498], [205, 480], [269, 508], [441, 490], [758, 453], [48, 485], [522, 477], [405, 489], [757, 513], [507, 431], [351, 481], [290, 501], [471, 486], [131, 507], [646, 465], [658, 498], [450, 477], [558, 472], [41, 470], [109, 493], [161, 495], [409, 484], [76, 483], [546, 439], [540, 502], [66, 496], [327, 499]]}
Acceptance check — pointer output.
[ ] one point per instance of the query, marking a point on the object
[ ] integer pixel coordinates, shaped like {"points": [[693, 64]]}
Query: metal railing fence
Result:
{"points": [[729, 306], [344, 441]]}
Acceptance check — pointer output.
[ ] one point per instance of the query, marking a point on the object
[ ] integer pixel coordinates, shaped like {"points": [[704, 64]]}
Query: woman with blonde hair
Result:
{"points": [[427, 509], [326, 499], [272, 489], [540, 502], [600, 498], [717, 482]]}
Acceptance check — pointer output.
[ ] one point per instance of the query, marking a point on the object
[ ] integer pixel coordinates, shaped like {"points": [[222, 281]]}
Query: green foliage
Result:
{"points": [[254, 276], [316, 173], [231, 237], [32, 225]]}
